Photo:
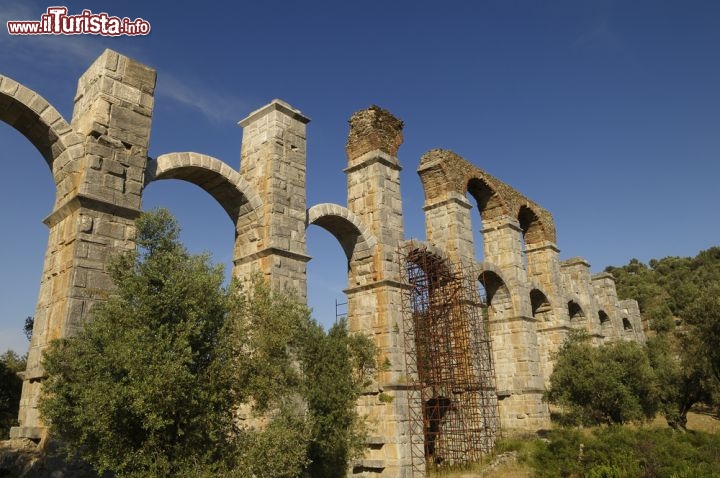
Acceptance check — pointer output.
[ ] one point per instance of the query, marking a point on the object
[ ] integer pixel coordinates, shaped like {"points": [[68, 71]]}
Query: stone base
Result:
{"points": [[31, 433]]}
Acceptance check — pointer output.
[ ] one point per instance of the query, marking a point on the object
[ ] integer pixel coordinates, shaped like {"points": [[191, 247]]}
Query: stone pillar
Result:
{"points": [[630, 309], [94, 212], [543, 266], [272, 160], [514, 335], [518, 373], [375, 308], [448, 225], [503, 247], [575, 273], [603, 285], [543, 269]]}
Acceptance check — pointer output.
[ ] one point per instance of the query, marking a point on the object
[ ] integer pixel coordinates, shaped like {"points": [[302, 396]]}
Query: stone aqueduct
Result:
{"points": [[100, 166]]}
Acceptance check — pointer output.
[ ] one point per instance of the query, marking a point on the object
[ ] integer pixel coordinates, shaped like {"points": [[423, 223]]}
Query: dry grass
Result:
{"points": [[508, 470], [704, 422], [698, 421]]}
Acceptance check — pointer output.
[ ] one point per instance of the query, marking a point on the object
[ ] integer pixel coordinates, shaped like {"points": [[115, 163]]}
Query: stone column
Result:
{"points": [[273, 161], [631, 310], [543, 269], [503, 247], [576, 278], [93, 218], [514, 335], [448, 225], [375, 308], [603, 285]]}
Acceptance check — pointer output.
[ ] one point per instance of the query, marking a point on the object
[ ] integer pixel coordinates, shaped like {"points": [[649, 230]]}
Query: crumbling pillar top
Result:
{"points": [[373, 129]]}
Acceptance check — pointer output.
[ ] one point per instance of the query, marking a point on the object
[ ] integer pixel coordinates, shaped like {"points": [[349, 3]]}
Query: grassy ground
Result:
{"points": [[510, 468]]}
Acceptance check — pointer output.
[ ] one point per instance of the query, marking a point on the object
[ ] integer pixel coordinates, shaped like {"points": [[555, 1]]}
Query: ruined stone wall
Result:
{"points": [[100, 165], [533, 298]]}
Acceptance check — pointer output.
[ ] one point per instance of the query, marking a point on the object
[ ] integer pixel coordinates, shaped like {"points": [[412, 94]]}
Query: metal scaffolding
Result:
{"points": [[452, 394]]}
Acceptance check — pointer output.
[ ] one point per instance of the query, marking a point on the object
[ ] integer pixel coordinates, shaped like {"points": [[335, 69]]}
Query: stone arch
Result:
{"points": [[532, 226], [499, 298], [540, 305], [606, 325], [414, 249], [489, 202], [36, 119], [627, 326], [236, 196], [575, 311], [354, 237]]}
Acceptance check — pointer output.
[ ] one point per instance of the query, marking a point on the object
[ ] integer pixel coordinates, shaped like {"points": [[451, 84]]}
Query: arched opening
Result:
{"points": [[327, 277], [482, 294], [498, 296], [540, 305], [575, 312], [348, 266], [603, 317], [476, 223], [28, 191], [487, 200], [627, 326], [204, 180], [530, 225], [605, 323], [205, 226], [531, 230], [487, 207], [44, 129]]}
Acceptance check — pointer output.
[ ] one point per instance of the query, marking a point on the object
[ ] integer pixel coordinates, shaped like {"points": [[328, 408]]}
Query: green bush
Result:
{"points": [[620, 452], [611, 383], [10, 388]]}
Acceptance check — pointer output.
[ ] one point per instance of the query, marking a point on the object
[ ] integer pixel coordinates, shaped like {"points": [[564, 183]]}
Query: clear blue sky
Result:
{"points": [[607, 113]]}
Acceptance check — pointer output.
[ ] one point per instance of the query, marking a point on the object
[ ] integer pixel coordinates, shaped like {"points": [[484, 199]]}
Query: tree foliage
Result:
{"points": [[683, 375], [611, 383], [667, 288], [177, 375], [337, 367], [683, 291], [10, 388], [143, 388], [703, 315], [308, 379]]}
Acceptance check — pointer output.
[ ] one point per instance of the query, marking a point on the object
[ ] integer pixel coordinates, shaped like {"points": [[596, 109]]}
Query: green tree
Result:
{"points": [[308, 380], [683, 291], [143, 389], [683, 374], [28, 327], [611, 383], [10, 388], [337, 367], [177, 375], [268, 333], [703, 315]]}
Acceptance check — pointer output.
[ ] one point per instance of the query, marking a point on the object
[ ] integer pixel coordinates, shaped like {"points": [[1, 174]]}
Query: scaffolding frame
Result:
{"points": [[452, 397]]}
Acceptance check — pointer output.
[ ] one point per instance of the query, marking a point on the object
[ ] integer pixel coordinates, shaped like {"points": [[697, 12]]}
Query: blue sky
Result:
{"points": [[607, 113]]}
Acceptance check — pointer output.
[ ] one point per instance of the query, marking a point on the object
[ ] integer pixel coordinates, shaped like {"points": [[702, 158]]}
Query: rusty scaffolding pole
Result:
{"points": [[452, 395]]}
